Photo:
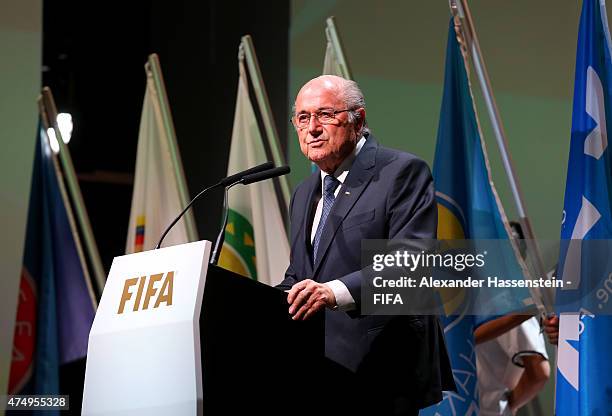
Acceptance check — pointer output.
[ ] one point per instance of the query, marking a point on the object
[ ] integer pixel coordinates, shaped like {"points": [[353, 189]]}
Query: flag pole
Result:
{"points": [[246, 46], [69, 214], [460, 9], [48, 104], [153, 67], [334, 38]]}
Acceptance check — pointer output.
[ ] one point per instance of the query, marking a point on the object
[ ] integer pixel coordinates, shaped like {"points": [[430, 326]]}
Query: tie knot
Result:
{"points": [[331, 184]]}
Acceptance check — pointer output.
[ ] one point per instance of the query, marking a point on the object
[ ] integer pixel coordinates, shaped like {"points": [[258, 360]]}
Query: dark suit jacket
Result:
{"points": [[390, 195]]}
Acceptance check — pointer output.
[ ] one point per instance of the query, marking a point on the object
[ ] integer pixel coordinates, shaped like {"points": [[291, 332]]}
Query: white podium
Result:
{"points": [[144, 346]]}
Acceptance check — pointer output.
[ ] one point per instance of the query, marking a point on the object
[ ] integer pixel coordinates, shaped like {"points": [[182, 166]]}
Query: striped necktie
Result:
{"points": [[330, 184]]}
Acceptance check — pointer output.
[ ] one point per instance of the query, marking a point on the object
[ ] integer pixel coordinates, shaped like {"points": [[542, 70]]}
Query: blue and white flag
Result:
{"points": [[584, 374], [56, 304]]}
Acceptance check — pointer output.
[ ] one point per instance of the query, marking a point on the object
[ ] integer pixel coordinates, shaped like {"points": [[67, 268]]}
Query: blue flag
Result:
{"points": [[584, 368], [468, 208], [56, 305]]}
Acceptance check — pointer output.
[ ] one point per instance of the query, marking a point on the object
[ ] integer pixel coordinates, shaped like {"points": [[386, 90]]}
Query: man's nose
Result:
{"points": [[314, 126]]}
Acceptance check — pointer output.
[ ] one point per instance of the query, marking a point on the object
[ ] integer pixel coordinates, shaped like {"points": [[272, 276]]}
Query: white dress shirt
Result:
{"points": [[344, 299]]}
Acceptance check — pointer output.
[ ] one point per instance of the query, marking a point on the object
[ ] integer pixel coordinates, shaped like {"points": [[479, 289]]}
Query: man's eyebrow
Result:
{"points": [[318, 109]]}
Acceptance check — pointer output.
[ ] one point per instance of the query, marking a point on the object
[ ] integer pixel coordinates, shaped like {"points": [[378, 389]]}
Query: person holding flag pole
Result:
{"points": [[466, 27], [517, 335], [468, 208]]}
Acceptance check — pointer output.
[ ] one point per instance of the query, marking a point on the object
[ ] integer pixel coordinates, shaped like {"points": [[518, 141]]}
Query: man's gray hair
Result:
{"points": [[353, 97]]}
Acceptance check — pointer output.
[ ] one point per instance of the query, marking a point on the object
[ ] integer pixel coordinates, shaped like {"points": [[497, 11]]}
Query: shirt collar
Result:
{"points": [[342, 171]]}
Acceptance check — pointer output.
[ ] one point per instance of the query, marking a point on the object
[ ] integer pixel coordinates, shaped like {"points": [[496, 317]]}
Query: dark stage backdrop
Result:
{"points": [[94, 56]]}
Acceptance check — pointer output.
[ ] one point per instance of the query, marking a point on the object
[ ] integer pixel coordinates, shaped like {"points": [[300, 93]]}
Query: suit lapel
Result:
{"points": [[357, 180], [314, 189]]}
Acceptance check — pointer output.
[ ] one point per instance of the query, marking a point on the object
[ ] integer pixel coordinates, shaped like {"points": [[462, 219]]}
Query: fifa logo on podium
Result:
{"points": [[161, 294]]}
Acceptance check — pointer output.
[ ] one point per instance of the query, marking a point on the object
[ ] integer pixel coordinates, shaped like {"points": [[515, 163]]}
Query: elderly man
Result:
{"points": [[382, 364]]}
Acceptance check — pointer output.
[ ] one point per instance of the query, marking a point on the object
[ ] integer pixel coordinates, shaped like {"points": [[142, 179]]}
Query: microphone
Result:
{"points": [[270, 173], [245, 180], [237, 177]]}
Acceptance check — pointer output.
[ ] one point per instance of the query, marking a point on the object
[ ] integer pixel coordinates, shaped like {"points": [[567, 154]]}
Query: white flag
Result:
{"points": [[333, 57], [155, 199], [331, 65], [256, 243]]}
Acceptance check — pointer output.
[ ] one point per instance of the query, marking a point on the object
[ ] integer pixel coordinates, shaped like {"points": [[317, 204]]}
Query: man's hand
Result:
{"points": [[307, 297], [551, 327]]}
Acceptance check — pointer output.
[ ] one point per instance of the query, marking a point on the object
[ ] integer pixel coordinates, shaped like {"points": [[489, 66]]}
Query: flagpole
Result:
{"points": [[69, 214], [246, 47], [153, 66], [50, 110], [334, 38], [461, 10]]}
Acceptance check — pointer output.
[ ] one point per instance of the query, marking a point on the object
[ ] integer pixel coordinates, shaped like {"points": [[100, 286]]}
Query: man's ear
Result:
{"points": [[360, 123]]}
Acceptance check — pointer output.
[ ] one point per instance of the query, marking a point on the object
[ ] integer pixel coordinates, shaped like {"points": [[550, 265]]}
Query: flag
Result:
{"points": [[255, 243], [331, 65], [56, 304], [333, 56], [584, 367], [155, 200], [468, 208]]}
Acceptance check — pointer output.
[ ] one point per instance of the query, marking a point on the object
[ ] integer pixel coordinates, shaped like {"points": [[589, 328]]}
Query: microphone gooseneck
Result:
{"points": [[216, 253], [230, 180], [178, 217], [245, 180]]}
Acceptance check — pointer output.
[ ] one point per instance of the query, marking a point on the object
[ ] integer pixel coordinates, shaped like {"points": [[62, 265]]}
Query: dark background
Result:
{"points": [[93, 60], [94, 56]]}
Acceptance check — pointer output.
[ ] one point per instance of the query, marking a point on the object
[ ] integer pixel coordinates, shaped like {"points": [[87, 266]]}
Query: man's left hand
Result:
{"points": [[307, 297]]}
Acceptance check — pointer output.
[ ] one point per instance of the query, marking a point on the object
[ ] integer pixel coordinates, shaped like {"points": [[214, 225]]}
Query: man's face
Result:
{"points": [[327, 145]]}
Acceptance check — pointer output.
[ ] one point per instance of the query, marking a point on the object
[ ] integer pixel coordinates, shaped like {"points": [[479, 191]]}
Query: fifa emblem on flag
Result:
{"points": [[24, 342], [162, 294]]}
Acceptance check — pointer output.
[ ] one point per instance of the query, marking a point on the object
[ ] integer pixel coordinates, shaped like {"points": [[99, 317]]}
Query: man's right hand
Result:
{"points": [[551, 327], [307, 297]]}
